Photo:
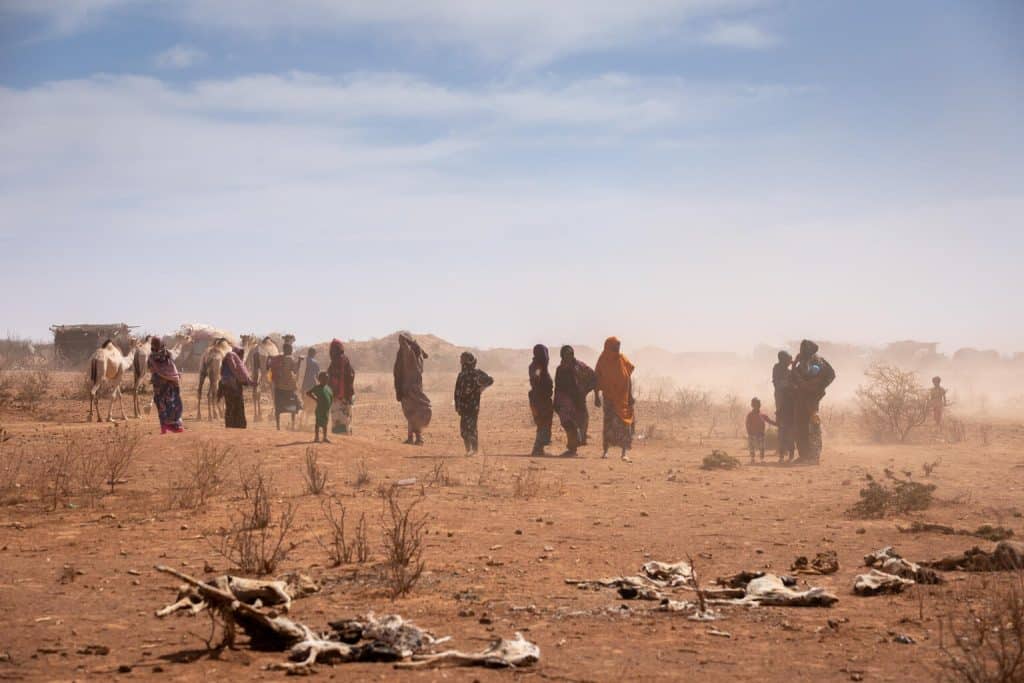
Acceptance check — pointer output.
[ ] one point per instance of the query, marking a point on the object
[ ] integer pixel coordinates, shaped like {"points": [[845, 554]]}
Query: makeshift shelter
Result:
{"points": [[74, 344]]}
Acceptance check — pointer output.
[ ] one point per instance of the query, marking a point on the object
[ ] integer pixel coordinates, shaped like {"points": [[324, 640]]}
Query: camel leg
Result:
{"points": [[120, 402], [93, 400], [135, 398], [110, 407]]}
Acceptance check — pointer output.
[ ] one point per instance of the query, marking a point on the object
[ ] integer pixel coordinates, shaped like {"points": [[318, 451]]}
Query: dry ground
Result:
{"points": [[81, 575]]}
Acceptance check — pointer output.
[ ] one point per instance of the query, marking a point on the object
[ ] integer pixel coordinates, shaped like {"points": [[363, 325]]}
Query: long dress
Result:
{"points": [[469, 385], [569, 402], [614, 380], [409, 384], [233, 378], [541, 404], [341, 378], [166, 389]]}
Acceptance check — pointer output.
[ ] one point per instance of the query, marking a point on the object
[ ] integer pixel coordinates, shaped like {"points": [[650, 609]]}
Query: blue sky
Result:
{"points": [[696, 174]]}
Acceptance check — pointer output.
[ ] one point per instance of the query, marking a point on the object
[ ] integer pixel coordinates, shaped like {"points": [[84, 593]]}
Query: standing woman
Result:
{"points": [[233, 379], [341, 378], [569, 399], [541, 404], [614, 380], [409, 387], [166, 387]]}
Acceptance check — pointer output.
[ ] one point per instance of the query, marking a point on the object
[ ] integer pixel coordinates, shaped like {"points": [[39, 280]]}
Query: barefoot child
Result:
{"points": [[323, 396], [755, 428]]}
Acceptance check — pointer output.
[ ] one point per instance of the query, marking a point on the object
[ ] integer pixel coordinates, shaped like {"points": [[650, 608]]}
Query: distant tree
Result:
{"points": [[892, 402]]}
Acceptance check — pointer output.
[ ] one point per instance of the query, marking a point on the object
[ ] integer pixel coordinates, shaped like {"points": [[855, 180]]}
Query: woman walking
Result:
{"points": [[233, 379], [341, 380], [615, 383], [409, 387], [166, 387], [569, 399], [541, 404]]}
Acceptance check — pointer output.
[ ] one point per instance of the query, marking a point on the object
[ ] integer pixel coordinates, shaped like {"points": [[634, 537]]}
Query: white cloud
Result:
{"points": [[740, 35], [180, 56], [528, 32]]}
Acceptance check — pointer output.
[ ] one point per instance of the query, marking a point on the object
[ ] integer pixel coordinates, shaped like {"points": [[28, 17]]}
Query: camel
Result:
{"points": [[140, 363], [209, 367], [107, 366], [257, 355]]}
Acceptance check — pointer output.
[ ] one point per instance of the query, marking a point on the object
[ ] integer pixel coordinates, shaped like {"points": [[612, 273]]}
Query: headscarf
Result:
{"points": [[467, 360], [540, 357], [808, 348], [613, 379], [785, 357], [233, 369], [161, 363], [567, 354]]}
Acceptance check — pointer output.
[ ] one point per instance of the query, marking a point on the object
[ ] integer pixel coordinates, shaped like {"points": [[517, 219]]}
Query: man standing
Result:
{"points": [[811, 375]]}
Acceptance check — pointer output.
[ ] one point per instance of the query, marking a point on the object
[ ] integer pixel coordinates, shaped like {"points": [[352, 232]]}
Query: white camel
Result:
{"points": [[106, 368], [140, 363], [257, 356], [209, 368]]}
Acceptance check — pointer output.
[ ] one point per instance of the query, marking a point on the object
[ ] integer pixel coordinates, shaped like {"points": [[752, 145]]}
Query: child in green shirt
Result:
{"points": [[323, 396]]}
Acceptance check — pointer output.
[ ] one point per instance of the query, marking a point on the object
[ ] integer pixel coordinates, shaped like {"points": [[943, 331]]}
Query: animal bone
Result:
{"points": [[823, 563], [889, 561], [772, 591], [668, 575], [876, 582], [1006, 556], [254, 592], [501, 654]]}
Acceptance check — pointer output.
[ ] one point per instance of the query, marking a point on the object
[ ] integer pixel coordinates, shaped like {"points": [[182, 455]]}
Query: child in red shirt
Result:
{"points": [[755, 428]]}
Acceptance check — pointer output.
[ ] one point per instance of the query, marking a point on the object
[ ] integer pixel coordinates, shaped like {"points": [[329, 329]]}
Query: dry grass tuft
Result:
{"points": [[339, 550], [314, 474], [403, 531], [202, 476], [982, 636]]}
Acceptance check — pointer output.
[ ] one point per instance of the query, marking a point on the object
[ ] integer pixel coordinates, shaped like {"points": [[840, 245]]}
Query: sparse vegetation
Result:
{"points": [[119, 452], [258, 540], [902, 495], [982, 636], [32, 387], [526, 483], [892, 403], [202, 476], [339, 549], [256, 486], [363, 478], [314, 474], [689, 401], [719, 460], [440, 476], [403, 530]]}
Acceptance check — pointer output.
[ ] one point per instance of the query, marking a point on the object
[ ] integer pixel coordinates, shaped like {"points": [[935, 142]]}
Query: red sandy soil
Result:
{"points": [[585, 518]]}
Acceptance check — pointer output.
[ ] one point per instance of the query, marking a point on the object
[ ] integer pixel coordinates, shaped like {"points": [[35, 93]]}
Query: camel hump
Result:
{"points": [[107, 344]]}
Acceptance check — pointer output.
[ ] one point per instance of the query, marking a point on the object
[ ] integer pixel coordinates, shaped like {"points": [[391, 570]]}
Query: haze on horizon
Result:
{"points": [[688, 174]]}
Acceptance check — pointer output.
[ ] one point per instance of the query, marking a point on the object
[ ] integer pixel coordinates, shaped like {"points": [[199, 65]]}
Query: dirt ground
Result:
{"points": [[497, 555]]}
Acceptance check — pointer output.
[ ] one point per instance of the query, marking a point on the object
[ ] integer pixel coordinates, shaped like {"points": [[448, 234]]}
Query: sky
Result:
{"points": [[692, 174]]}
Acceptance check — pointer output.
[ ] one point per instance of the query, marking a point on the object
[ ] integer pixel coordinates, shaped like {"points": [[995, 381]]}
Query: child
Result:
{"points": [[755, 428], [468, 387], [937, 399], [323, 396]]}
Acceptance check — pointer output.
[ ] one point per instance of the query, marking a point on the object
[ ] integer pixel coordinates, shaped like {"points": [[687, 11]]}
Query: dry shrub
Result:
{"points": [[255, 547], [314, 474], [120, 449], [902, 495], [956, 431], [6, 384], [256, 486], [526, 483], [982, 637], [363, 477], [32, 387], [690, 400], [403, 531], [89, 469], [339, 549], [53, 476], [11, 463], [892, 403], [202, 476], [719, 460], [440, 476]]}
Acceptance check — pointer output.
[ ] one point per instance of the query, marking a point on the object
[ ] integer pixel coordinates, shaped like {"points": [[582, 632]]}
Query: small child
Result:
{"points": [[323, 396], [755, 428], [470, 383]]}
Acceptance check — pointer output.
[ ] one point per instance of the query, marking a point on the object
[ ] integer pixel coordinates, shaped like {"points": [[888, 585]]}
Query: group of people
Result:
{"points": [[800, 385]]}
